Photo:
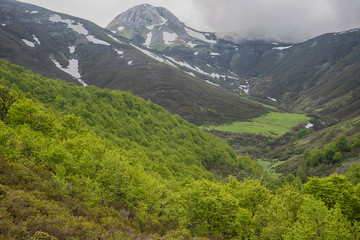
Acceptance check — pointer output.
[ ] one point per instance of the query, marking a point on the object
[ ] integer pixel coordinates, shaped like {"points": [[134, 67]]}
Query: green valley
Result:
{"points": [[91, 163], [274, 124], [150, 129]]}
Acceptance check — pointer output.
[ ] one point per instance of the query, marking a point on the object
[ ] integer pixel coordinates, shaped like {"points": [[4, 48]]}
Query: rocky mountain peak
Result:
{"points": [[145, 15]]}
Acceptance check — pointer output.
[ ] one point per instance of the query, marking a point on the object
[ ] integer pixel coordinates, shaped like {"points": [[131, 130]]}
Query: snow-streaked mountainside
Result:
{"points": [[195, 52], [146, 15], [61, 46], [155, 26], [275, 72]]}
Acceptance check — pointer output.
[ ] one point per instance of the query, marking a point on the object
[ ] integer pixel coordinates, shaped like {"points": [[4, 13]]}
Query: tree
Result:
{"points": [[329, 151], [315, 221], [334, 190], [313, 157], [275, 220], [250, 193], [207, 208], [353, 173], [342, 144], [7, 98]]}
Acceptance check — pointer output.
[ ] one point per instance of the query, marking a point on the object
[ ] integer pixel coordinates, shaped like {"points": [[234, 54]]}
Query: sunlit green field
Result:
{"points": [[269, 168], [273, 124]]}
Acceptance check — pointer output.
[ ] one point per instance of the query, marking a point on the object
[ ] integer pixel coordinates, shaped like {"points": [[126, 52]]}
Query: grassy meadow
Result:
{"points": [[273, 124]]}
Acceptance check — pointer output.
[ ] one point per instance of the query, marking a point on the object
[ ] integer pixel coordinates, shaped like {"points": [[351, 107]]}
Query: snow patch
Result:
{"points": [[196, 53], [198, 35], [36, 40], [281, 48], [79, 28], [27, 42], [94, 40], [72, 69], [150, 54], [191, 73], [214, 84], [309, 125], [3, 24], [148, 40], [245, 88], [183, 64], [163, 20], [218, 76], [169, 37], [151, 27], [72, 49], [214, 54], [196, 69], [272, 99], [235, 78], [130, 62], [115, 39], [169, 62], [191, 44], [34, 12], [119, 52], [121, 28]]}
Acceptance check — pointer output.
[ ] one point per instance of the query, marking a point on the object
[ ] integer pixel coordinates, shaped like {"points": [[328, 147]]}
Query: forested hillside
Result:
{"points": [[88, 163]]}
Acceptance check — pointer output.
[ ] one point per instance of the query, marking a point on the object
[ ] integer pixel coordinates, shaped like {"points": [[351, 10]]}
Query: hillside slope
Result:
{"points": [[62, 46], [320, 75]]}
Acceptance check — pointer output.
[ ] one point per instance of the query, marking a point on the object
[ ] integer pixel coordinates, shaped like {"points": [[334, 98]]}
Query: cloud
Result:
{"points": [[287, 20]]}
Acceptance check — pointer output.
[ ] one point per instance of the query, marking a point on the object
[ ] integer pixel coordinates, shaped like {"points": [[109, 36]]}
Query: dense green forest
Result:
{"points": [[90, 163]]}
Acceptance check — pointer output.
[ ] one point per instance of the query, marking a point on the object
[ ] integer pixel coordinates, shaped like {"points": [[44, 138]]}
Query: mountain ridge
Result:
{"points": [[79, 51]]}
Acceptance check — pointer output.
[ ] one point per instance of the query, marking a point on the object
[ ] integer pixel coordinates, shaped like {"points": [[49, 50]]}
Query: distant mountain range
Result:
{"points": [[147, 50]]}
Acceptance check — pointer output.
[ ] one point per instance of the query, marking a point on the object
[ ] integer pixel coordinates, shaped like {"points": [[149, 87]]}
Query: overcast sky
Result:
{"points": [[288, 20]]}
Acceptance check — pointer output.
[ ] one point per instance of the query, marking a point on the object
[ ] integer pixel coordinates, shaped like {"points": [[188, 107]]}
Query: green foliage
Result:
{"points": [[303, 133], [342, 144], [353, 173], [42, 236], [334, 190], [355, 143], [250, 193], [207, 208], [130, 122], [7, 98], [86, 163], [315, 221], [330, 153], [275, 219]]}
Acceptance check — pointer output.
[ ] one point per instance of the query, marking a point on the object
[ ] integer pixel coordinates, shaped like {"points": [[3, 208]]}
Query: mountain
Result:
{"points": [[320, 75], [156, 27], [62, 46], [198, 53], [317, 75]]}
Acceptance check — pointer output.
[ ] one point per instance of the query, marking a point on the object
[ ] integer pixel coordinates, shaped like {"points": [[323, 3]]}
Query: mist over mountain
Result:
{"points": [[280, 20]]}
